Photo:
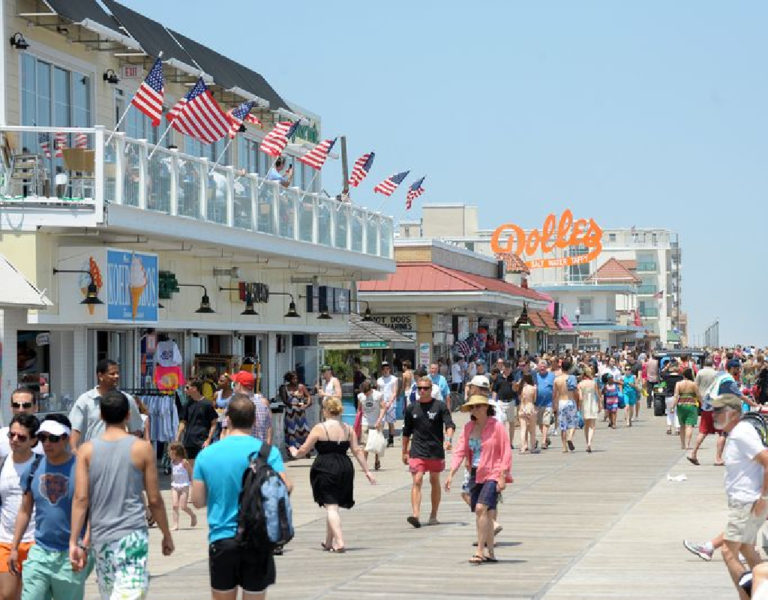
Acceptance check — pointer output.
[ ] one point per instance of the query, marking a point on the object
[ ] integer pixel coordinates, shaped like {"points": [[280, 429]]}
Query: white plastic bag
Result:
{"points": [[377, 443]]}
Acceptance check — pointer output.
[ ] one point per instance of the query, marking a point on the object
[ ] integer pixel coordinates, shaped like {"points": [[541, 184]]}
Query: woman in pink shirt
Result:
{"points": [[484, 443]]}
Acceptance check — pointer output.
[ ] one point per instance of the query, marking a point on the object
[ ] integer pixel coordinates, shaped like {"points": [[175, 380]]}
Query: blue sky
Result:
{"points": [[643, 113]]}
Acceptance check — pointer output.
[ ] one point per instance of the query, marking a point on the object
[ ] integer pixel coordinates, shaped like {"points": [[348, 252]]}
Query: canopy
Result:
{"points": [[17, 291], [364, 335]]}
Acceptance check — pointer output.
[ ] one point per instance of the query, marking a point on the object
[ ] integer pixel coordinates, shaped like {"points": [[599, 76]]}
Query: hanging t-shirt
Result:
{"points": [[167, 354], [10, 495]]}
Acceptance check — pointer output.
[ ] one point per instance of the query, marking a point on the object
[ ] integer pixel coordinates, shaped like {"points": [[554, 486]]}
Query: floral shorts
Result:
{"points": [[121, 567]]}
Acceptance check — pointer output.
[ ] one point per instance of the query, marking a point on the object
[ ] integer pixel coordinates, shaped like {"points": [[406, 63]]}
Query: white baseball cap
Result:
{"points": [[481, 381]]}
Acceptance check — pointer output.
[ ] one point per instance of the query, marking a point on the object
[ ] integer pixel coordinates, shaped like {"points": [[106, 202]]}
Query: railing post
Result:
{"points": [[119, 167], [315, 224], [98, 185], [364, 245], [378, 235], [331, 223], [254, 187], [174, 167], [202, 178], [230, 208], [275, 201], [143, 174], [296, 209], [350, 220]]}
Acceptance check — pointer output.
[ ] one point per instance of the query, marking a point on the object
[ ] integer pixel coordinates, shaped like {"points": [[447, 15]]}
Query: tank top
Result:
{"points": [[179, 475], [116, 503], [328, 387]]}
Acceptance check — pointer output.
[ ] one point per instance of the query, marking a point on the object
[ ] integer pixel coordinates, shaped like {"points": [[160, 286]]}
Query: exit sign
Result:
{"points": [[373, 344], [131, 72]]}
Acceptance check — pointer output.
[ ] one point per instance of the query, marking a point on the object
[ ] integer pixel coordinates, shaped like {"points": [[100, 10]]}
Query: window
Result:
{"points": [[585, 307], [248, 154], [611, 237], [578, 272]]}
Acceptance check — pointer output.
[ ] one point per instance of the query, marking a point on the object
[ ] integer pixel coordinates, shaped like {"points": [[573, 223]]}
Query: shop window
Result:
{"points": [[34, 361], [585, 307]]}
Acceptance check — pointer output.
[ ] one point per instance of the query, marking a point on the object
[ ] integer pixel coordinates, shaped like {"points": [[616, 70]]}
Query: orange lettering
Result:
{"points": [[516, 235], [562, 229], [578, 228], [533, 242], [548, 232]]}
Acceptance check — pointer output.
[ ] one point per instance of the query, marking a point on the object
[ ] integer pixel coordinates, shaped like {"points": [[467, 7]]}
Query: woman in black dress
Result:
{"points": [[332, 475]]}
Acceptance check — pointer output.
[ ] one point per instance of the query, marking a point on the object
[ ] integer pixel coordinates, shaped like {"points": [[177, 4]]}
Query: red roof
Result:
{"points": [[429, 277], [612, 271], [542, 319], [629, 264], [513, 263]]}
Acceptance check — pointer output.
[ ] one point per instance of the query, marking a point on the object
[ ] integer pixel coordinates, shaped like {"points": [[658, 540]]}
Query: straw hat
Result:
{"points": [[474, 401]]}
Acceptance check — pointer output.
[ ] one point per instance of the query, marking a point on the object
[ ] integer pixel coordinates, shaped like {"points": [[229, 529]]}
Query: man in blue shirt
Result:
{"points": [[544, 380], [274, 173], [217, 483], [48, 489], [439, 381]]}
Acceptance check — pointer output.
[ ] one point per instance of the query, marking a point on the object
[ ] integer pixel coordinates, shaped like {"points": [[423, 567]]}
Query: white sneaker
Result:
{"points": [[699, 550]]}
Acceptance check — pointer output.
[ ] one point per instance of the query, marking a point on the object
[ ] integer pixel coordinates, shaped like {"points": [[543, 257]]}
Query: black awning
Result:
{"points": [[230, 74], [151, 35], [79, 11]]}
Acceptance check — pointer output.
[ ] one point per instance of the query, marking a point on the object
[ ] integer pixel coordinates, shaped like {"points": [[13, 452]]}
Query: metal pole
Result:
{"points": [[344, 165], [157, 145], [221, 155]]}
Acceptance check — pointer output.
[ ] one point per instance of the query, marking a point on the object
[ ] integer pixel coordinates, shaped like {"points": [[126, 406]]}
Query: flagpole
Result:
{"points": [[162, 137], [221, 155], [264, 179], [125, 113]]}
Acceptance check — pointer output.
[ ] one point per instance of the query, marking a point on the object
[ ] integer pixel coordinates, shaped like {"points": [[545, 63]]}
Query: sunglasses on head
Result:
{"points": [[49, 437], [22, 404], [19, 436]]}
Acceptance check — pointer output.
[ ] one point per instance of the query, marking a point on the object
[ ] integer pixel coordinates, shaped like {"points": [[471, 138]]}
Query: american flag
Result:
{"points": [[316, 157], [149, 97], [81, 140], [276, 140], [414, 191], [44, 139], [360, 169], [241, 114], [659, 295], [199, 115], [390, 184], [59, 143]]}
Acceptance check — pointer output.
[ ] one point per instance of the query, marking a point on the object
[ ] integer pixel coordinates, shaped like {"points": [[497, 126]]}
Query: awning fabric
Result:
{"points": [[79, 11], [17, 291], [361, 332]]}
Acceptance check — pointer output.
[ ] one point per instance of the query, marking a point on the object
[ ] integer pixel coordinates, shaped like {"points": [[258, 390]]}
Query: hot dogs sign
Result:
{"points": [[563, 234]]}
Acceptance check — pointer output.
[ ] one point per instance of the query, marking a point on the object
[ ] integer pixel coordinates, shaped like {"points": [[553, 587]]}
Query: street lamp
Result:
{"points": [[577, 314], [205, 301], [92, 294]]}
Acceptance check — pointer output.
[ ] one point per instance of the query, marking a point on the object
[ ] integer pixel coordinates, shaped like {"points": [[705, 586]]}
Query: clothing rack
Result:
{"points": [[164, 407]]}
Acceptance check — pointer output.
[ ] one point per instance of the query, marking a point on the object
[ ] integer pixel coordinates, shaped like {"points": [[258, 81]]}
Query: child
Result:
{"points": [[610, 399], [181, 476]]}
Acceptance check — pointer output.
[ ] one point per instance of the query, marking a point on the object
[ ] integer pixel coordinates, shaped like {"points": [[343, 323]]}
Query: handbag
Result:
{"points": [[621, 402], [377, 443], [580, 417]]}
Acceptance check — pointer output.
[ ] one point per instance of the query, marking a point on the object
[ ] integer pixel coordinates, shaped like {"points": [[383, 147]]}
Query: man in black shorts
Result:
{"points": [[217, 483], [197, 422]]}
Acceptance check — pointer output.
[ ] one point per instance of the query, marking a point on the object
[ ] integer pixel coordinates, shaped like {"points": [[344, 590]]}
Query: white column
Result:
{"points": [[84, 374], [10, 321], [271, 390]]}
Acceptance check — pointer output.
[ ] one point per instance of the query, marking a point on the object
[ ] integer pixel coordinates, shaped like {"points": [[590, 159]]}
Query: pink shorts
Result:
{"points": [[426, 465]]}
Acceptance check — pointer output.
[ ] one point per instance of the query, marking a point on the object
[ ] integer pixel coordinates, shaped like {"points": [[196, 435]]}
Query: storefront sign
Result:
{"points": [[425, 356], [126, 284], [400, 323], [566, 233], [381, 344]]}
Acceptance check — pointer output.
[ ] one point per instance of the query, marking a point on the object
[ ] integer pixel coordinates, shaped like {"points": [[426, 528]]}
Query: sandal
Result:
{"points": [[339, 550], [490, 559], [477, 559], [694, 461], [377, 464], [326, 548]]}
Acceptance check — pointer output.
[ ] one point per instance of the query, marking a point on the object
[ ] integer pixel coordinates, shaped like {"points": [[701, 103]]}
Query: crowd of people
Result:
{"points": [[79, 491]]}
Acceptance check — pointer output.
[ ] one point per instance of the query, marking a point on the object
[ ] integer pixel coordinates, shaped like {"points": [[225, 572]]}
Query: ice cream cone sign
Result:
{"points": [[137, 283], [85, 280]]}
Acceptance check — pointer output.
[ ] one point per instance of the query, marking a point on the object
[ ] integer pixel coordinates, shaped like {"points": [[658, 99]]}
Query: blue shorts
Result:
{"points": [[484, 493]]}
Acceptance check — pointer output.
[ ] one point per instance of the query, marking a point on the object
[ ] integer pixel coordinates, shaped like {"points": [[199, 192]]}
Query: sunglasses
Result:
{"points": [[19, 436], [424, 387], [22, 404], [49, 437]]}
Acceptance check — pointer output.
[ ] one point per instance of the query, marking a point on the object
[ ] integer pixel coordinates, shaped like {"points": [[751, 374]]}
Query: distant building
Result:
{"points": [[651, 256]]}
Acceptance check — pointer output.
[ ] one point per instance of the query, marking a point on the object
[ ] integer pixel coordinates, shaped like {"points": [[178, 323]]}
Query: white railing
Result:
{"points": [[120, 171]]}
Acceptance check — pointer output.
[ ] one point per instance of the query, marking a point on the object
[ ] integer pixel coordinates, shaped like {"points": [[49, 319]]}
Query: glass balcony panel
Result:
{"points": [[342, 225], [324, 221], [371, 225], [159, 181], [306, 215], [268, 192], [217, 194], [242, 199], [110, 169], [189, 188], [131, 173], [385, 230], [647, 289], [287, 209], [358, 221]]}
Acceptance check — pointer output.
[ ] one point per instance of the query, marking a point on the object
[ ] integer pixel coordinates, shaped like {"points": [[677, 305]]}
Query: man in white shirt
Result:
{"points": [[387, 385], [746, 484], [23, 402]]}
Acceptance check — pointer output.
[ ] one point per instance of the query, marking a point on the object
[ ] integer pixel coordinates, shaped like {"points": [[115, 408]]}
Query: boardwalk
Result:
{"points": [[605, 525]]}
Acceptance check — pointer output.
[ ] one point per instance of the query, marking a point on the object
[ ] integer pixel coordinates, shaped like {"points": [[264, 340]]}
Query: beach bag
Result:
{"points": [[377, 443], [264, 517]]}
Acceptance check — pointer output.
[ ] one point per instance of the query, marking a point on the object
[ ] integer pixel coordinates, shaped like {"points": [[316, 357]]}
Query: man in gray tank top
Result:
{"points": [[109, 480]]}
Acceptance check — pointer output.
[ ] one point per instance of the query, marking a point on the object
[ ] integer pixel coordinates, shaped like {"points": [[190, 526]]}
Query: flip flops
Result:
{"points": [[479, 560], [693, 461], [414, 521]]}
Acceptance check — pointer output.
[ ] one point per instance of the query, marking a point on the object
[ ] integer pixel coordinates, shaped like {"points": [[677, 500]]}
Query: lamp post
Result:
{"points": [[92, 294]]}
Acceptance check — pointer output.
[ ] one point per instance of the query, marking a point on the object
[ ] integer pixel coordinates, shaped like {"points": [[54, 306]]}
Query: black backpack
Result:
{"points": [[760, 423], [265, 517]]}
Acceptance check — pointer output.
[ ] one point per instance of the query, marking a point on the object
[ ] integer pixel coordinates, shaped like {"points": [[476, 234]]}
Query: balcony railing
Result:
{"points": [[115, 169], [647, 289], [646, 267], [649, 311]]}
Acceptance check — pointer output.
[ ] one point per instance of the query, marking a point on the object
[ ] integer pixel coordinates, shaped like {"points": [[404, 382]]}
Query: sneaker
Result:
{"points": [[702, 552]]}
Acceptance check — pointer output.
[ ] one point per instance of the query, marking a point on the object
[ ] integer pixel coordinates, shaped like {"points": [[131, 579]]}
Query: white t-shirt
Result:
{"points": [[371, 407], [5, 446], [743, 474], [167, 354], [10, 493], [387, 386]]}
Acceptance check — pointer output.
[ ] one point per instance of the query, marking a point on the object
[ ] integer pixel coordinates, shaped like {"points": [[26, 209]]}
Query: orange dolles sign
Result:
{"points": [[563, 234]]}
